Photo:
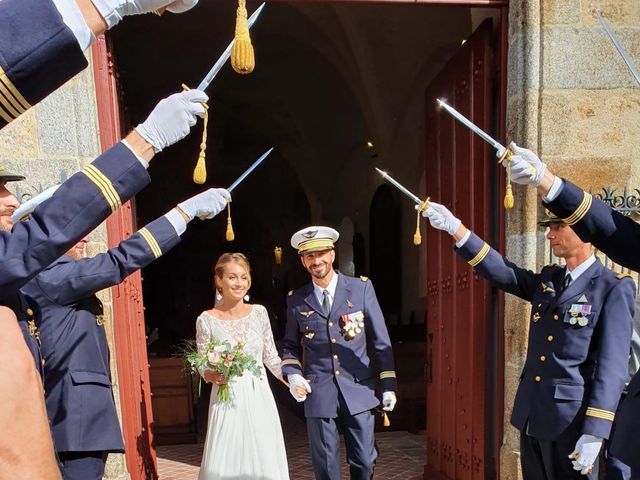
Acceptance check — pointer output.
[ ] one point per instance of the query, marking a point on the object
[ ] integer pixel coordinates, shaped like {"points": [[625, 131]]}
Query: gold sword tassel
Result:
{"points": [[508, 194], [417, 237], [200, 171], [242, 56]]}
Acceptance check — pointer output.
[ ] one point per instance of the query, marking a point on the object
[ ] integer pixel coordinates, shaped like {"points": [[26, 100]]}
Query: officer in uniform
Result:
{"points": [[612, 233], [577, 356], [74, 346], [335, 324], [42, 43], [85, 200]]}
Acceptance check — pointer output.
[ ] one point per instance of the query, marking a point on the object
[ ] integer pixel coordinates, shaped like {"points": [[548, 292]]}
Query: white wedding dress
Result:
{"points": [[244, 437]]}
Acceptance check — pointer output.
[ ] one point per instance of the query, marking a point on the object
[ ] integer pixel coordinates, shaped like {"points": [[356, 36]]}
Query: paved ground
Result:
{"points": [[402, 455]]}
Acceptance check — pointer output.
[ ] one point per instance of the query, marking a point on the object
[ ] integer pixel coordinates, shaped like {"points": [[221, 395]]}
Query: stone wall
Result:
{"points": [[48, 144], [573, 101]]}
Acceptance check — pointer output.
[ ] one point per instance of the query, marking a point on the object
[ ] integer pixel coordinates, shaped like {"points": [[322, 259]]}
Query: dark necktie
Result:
{"points": [[567, 280], [326, 306]]}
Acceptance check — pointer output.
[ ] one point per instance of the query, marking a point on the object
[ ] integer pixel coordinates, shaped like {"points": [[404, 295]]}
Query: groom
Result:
{"points": [[346, 349]]}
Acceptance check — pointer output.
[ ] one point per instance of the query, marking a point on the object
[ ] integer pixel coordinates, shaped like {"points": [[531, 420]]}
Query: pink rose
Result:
{"points": [[229, 357], [213, 357]]}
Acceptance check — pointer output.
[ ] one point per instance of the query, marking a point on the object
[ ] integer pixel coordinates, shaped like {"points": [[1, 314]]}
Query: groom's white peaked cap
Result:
{"points": [[314, 239]]}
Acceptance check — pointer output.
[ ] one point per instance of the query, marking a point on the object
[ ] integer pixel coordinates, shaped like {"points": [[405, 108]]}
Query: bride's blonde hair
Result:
{"points": [[227, 258]]}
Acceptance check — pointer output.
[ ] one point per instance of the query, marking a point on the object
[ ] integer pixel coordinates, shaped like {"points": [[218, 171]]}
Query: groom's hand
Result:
{"points": [[299, 387]]}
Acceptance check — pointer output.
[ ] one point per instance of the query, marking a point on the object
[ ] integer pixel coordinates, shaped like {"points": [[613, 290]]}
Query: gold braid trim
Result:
{"points": [[153, 244], [484, 251], [104, 185], [600, 413], [387, 374], [581, 211], [291, 361]]}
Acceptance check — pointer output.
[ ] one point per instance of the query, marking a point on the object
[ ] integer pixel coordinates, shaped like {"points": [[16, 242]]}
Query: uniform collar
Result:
{"points": [[580, 269], [331, 289]]}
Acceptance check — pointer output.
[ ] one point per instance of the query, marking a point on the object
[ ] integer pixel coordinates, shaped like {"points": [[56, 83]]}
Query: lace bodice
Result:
{"points": [[254, 330]]}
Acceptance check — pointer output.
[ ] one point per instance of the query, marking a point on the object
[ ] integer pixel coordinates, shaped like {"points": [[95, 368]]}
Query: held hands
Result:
{"points": [[525, 166], [585, 454], [441, 218], [172, 118], [299, 387], [114, 10], [206, 204], [214, 377], [388, 401]]}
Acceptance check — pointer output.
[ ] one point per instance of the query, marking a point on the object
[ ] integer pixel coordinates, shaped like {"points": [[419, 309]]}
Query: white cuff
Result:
{"points": [[176, 220], [555, 190], [109, 11], [144, 163], [464, 239], [73, 18]]}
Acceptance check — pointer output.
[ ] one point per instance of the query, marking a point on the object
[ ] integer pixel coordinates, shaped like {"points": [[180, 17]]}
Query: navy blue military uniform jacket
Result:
{"points": [[571, 370], [618, 237], [76, 208], [38, 53], [74, 346], [330, 358]]}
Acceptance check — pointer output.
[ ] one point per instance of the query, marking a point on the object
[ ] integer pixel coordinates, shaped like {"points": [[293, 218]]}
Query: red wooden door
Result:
{"points": [[460, 170], [129, 328]]}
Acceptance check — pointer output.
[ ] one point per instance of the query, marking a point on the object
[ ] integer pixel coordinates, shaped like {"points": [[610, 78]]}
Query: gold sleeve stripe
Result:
{"points": [[484, 251], [12, 93], [104, 185], [581, 211], [5, 103], [291, 361], [153, 244], [599, 413], [5, 116], [387, 374]]}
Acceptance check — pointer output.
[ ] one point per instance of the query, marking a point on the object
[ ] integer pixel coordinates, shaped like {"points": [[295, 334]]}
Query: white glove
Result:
{"points": [[441, 218], [388, 401], [114, 10], [297, 380], [172, 118], [206, 204], [586, 453], [525, 166]]}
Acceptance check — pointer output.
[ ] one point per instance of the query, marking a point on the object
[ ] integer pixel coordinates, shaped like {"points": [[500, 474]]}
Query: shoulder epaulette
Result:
{"points": [[621, 275], [363, 278], [290, 293]]}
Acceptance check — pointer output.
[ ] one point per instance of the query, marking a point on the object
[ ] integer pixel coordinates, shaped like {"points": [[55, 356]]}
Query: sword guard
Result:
{"points": [[506, 155]]}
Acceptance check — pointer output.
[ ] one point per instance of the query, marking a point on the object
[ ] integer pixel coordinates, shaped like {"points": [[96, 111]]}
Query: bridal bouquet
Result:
{"points": [[220, 357]]}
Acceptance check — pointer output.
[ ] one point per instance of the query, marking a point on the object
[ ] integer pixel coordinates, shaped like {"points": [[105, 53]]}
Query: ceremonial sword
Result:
{"points": [[503, 153], [623, 53], [249, 170], [421, 205]]}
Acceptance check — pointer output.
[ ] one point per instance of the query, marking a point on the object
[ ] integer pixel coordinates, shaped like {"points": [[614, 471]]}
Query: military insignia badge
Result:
{"points": [[307, 314], [349, 304], [536, 317], [352, 324], [309, 335], [547, 288], [310, 234]]}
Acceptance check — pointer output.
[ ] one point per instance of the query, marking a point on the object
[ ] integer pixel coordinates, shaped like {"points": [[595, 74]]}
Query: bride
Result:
{"points": [[244, 437]]}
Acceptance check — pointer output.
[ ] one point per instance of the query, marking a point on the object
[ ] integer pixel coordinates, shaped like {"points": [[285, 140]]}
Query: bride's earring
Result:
{"points": [[218, 296], [246, 297]]}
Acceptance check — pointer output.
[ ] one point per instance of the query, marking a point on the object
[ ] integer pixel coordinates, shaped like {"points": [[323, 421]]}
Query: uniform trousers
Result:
{"points": [[324, 443], [82, 465], [549, 459]]}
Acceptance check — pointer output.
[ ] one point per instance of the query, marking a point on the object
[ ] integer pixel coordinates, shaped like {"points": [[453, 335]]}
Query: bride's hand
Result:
{"points": [[214, 377], [301, 391]]}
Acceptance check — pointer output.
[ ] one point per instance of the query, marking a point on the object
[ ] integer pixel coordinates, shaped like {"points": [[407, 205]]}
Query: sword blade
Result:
{"points": [[623, 53], [399, 186], [226, 54], [250, 169], [470, 125]]}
